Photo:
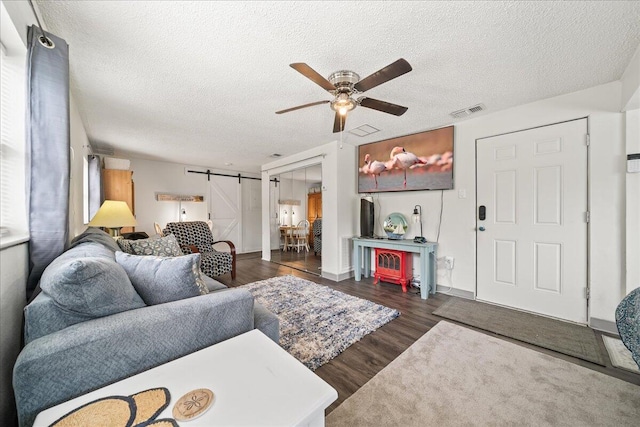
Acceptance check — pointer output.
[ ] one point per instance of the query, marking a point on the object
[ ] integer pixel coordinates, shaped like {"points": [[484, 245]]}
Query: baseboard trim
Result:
{"points": [[455, 292], [603, 325], [337, 277]]}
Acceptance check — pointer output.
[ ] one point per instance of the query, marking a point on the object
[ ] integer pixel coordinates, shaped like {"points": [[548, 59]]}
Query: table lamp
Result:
{"points": [[113, 215], [417, 218]]}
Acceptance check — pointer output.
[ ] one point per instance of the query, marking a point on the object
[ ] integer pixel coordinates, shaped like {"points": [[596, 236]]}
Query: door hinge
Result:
{"points": [[587, 140], [587, 217], [587, 293]]}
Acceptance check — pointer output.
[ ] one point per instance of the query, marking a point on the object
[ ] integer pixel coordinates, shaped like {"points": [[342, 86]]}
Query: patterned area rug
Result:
{"points": [[318, 323]]}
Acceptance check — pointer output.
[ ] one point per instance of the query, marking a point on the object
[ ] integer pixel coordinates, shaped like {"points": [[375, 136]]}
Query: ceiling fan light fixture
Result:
{"points": [[343, 103]]}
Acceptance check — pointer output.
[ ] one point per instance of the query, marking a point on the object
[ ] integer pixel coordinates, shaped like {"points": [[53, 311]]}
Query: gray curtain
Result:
{"points": [[96, 195], [47, 151]]}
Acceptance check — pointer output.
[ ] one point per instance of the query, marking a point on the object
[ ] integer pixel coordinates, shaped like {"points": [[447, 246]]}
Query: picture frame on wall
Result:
{"points": [[420, 161]]}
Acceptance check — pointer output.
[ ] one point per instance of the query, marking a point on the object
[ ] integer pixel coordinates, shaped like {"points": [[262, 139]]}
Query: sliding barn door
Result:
{"points": [[224, 209], [251, 215]]}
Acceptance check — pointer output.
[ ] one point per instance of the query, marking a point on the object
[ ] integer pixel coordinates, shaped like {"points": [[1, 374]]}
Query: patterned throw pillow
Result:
{"points": [[162, 279], [125, 245], [166, 246]]}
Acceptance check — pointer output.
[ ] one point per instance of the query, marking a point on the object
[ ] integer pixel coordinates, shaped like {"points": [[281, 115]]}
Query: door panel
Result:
{"points": [[533, 252], [224, 208], [251, 213]]}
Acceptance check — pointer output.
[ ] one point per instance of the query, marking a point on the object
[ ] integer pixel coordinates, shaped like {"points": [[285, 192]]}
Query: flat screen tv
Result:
{"points": [[420, 161]]}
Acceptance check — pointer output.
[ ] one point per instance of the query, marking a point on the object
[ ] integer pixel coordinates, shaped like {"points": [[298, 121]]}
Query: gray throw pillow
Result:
{"points": [[166, 246], [163, 279], [89, 286]]}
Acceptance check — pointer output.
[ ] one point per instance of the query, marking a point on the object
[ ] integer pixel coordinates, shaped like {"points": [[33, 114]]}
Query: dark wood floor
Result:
{"points": [[359, 363], [305, 261]]}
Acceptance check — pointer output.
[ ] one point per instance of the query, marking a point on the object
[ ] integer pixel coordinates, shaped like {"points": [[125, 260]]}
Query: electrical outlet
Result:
{"points": [[449, 262]]}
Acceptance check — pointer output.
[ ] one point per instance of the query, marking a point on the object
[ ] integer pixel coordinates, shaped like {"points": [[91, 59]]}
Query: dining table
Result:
{"points": [[289, 232]]}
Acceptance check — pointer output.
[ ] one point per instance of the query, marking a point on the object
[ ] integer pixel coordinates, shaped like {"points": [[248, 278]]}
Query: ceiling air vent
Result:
{"points": [[467, 111], [364, 130]]}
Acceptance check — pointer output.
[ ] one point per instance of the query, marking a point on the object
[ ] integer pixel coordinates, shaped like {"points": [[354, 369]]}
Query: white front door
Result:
{"points": [[532, 244], [224, 209]]}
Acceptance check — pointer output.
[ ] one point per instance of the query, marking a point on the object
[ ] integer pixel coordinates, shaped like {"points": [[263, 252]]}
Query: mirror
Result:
{"points": [[296, 204]]}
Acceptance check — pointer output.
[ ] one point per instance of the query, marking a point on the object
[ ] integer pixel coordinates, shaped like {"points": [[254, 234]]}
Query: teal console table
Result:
{"points": [[428, 255]]}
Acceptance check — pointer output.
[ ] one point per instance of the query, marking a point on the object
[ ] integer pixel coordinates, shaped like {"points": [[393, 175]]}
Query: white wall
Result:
{"points": [[607, 230], [630, 96], [632, 120], [13, 278], [152, 177], [80, 148]]}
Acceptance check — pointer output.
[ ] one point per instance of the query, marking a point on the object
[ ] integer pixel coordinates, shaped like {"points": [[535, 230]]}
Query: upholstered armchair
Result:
{"points": [[195, 236], [317, 236]]}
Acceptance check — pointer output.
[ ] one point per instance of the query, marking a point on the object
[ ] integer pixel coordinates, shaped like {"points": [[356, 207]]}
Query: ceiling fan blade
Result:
{"points": [[385, 107], [302, 106], [389, 72], [312, 75], [338, 123]]}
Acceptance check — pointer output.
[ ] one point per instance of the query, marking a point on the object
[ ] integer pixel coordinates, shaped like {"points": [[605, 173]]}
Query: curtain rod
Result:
{"points": [[43, 39], [239, 176]]}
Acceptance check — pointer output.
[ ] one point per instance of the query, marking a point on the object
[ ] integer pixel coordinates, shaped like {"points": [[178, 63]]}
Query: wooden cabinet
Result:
{"points": [[314, 210], [118, 185]]}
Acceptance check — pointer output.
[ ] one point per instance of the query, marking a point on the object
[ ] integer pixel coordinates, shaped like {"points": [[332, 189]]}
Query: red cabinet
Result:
{"points": [[394, 267]]}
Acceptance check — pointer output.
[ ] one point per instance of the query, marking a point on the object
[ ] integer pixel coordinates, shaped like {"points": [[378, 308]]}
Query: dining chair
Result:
{"points": [[301, 235]]}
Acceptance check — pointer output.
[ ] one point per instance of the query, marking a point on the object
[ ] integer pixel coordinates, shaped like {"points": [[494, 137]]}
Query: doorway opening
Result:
{"points": [[296, 219]]}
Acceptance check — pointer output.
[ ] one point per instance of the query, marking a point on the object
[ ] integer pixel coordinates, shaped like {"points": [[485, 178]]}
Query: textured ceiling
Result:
{"points": [[199, 82]]}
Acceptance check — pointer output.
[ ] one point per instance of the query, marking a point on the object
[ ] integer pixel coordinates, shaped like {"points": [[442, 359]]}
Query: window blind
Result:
{"points": [[13, 218]]}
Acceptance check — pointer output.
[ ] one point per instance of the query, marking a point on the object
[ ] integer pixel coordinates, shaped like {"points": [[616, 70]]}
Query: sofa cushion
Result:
{"points": [[166, 246], [89, 286], [163, 279], [94, 235], [212, 284]]}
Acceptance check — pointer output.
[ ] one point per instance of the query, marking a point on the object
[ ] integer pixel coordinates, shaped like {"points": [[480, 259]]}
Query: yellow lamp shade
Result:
{"points": [[113, 214]]}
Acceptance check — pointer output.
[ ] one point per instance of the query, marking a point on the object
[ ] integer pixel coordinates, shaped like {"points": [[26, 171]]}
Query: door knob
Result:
{"points": [[481, 228]]}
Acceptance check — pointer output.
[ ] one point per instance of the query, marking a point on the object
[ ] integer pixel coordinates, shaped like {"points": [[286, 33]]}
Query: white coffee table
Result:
{"points": [[255, 382]]}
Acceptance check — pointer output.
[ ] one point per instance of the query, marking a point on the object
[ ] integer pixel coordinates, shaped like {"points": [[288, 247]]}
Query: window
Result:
{"points": [[13, 216]]}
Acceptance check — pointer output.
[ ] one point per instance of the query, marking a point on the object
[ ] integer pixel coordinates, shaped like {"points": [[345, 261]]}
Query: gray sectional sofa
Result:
{"points": [[89, 328]]}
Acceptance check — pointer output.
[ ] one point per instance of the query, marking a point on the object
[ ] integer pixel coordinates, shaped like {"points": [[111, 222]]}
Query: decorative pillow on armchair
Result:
{"points": [[163, 279], [166, 246]]}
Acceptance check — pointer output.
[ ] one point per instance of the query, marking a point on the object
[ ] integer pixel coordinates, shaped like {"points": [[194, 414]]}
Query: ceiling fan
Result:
{"points": [[344, 84]]}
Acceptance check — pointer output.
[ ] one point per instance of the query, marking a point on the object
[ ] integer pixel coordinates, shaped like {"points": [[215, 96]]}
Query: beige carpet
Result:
{"points": [[455, 376]]}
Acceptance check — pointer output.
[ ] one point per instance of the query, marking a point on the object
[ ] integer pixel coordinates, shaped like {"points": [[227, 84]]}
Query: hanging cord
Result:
{"points": [[341, 131], [43, 39], [440, 220]]}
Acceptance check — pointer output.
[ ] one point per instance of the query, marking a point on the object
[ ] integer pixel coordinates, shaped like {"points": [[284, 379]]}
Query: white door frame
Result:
{"points": [[267, 175], [588, 184]]}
